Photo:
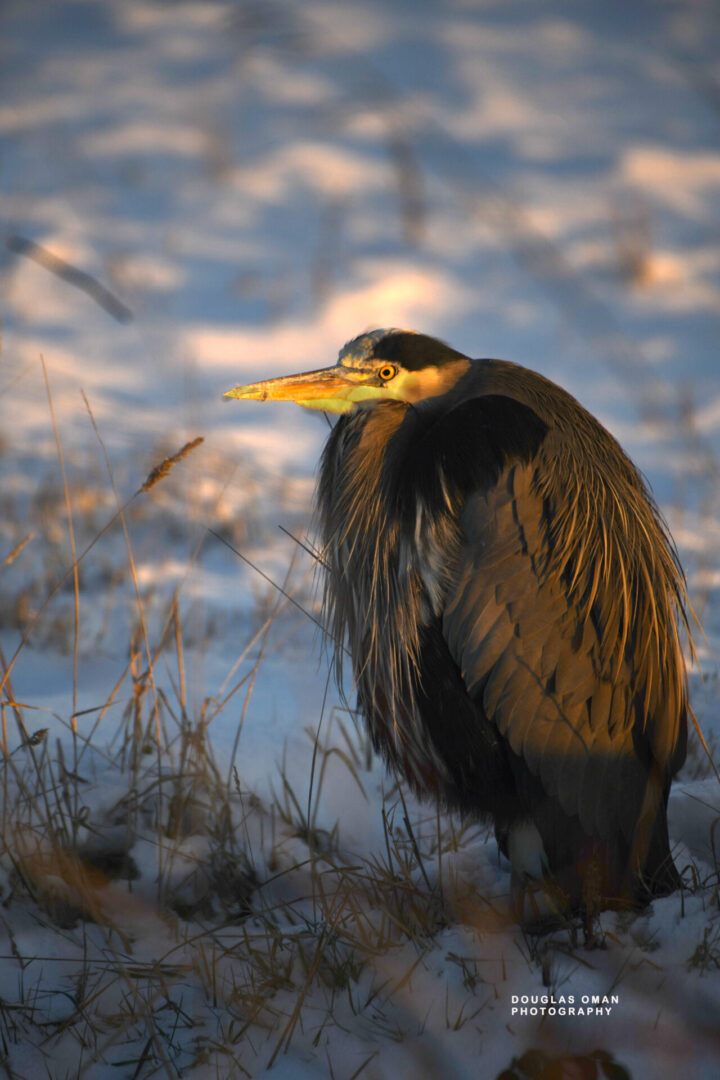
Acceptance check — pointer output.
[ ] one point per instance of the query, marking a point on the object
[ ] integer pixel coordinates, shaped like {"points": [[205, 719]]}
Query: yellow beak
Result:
{"points": [[334, 389]]}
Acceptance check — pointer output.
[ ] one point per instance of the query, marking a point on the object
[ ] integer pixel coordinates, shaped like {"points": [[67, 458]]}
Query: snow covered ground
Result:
{"points": [[244, 186]]}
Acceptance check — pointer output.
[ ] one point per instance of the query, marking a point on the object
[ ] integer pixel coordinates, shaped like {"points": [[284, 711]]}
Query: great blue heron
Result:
{"points": [[513, 605]]}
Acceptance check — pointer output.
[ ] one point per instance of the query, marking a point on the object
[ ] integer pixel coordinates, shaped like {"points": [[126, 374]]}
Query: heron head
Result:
{"points": [[383, 365]]}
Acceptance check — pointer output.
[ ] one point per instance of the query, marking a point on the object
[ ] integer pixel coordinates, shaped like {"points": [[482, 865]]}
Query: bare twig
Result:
{"points": [[66, 272]]}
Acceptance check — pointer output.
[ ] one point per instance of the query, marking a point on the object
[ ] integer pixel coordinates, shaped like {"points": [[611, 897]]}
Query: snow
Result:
{"points": [[259, 184]]}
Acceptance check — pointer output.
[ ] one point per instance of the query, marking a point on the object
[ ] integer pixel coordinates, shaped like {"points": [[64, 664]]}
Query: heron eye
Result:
{"points": [[386, 372]]}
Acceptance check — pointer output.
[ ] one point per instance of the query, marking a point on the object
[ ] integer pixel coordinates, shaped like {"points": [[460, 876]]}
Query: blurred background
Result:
{"points": [[197, 194], [249, 185]]}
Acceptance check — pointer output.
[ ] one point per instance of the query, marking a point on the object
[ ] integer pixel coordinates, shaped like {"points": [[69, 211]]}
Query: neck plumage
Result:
{"points": [[372, 591]]}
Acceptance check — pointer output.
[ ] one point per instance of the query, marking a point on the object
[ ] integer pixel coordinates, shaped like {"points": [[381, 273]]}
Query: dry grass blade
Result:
{"points": [[67, 574], [311, 551], [270, 581], [143, 623], [263, 642], [333, 917], [160, 471], [76, 578], [16, 550], [182, 696], [56, 589]]}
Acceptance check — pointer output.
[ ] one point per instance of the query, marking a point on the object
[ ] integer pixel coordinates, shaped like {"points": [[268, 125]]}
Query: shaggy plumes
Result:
{"points": [[514, 609], [367, 572], [607, 541]]}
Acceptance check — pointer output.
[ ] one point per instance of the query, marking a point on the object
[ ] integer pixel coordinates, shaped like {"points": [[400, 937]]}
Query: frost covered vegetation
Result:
{"points": [[204, 870], [162, 917]]}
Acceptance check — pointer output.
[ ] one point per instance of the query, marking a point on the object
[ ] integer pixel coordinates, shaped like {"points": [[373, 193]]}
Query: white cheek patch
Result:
{"points": [[408, 386], [430, 382]]}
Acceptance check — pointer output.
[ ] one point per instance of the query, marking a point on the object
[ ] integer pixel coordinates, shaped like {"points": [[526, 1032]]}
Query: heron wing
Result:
{"points": [[536, 666]]}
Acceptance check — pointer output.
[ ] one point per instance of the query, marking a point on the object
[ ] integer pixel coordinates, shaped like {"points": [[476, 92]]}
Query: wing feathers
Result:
{"points": [[561, 694]]}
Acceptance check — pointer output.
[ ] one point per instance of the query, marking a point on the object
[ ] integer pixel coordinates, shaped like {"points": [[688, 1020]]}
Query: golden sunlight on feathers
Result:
{"points": [[513, 606]]}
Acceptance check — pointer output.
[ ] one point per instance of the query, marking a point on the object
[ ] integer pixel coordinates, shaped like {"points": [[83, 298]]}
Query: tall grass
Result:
{"points": [[177, 911], [163, 918]]}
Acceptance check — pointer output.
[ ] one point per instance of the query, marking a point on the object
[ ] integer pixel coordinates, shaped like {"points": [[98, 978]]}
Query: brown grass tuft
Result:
{"points": [[160, 471]]}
